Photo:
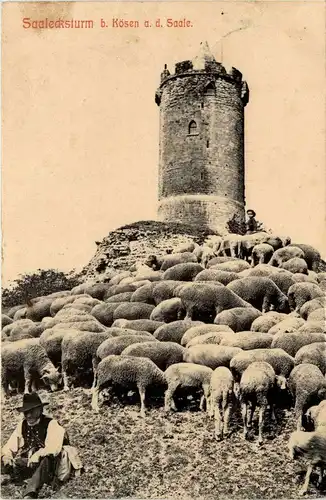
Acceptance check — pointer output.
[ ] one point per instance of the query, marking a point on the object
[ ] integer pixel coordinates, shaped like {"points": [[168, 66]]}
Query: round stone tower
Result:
{"points": [[201, 145]]}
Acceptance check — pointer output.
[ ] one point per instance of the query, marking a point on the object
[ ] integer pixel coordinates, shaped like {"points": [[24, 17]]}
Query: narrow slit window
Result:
{"points": [[207, 144], [192, 129], [201, 176]]}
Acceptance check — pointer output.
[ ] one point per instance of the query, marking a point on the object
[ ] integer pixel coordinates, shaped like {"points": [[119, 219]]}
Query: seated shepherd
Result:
{"points": [[38, 450]]}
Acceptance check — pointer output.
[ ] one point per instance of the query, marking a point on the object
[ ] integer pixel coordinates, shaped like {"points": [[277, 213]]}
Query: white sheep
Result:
{"points": [[221, 400], [187, 375]]}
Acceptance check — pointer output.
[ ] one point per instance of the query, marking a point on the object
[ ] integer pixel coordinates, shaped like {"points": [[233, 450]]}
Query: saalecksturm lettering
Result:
{"points": [[56, 23]]}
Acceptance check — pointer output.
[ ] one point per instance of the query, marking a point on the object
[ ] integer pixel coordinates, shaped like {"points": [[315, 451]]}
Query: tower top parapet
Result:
{"points": [[203, 63]]}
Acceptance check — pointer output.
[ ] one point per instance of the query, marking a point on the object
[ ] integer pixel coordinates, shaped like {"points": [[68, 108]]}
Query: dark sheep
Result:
{"points": [[261, 293], [146, 325], [37, 310], [95, 290], [283, 254], [280, 360], [210, 355], [121, 297], [183, 272], [308, 387], [239, 319], [314, 354], [223, 277], [300, 293], [168, 311], [310, 255], [292, 342], [177, 258], [295, 265], [133, 310], [78, 352], [197, 331], [165, 290], [127, 371], [174, 331], [248, 340], [163, 354], [104, 312], [5, 320], [27, 359], [261, 254], [144, 294], [203, 301], [265, 322]]}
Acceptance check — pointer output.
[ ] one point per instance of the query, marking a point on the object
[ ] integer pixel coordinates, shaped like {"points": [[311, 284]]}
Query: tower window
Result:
{"points": [[207, 144], [210, 89], [192, 129], [201, 176]]}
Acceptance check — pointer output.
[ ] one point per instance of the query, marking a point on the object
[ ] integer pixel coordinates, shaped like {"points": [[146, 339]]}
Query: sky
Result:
{"points": [[80, 127]]}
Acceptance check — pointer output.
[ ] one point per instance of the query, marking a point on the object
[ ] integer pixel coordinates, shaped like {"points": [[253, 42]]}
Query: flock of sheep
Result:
{"points": [[241, 318]]}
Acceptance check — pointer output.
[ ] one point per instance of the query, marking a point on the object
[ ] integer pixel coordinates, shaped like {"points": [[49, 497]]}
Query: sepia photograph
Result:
{"points": [[163, 250]]}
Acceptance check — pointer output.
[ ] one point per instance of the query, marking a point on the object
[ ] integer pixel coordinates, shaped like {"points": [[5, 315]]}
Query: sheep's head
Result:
{"points": [[311, 414], [281, 382], [284, 306], [52, 378], [151, 261]]}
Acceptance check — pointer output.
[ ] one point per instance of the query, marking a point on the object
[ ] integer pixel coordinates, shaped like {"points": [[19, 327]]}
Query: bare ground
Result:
{"points": [[166, 457]]}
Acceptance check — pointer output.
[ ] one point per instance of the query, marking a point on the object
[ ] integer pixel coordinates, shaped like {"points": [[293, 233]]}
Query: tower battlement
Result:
{"points": [[201, 160]]}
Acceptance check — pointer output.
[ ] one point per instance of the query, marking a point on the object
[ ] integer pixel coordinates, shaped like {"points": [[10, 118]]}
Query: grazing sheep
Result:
{"points": [[60, 302], [261, 254], [220, 260], [283, 279], [117, 289], [281, 361], [248, 340], [27, 358], [117, 345], [257, 388], [299, 293], [210, 338], [133, 310], [221, 400], [239, 319], [314, 353], [5, 320], [308, 387], [78, 351], [177, 258], [233, 266], [261, 293], [147, 325], [312, 446], [144, 294], [23, 328], [183, 272], [174, 331], [115, 280], [36, 310], [128, 371], [187, 375], [165, 290], [51, 341], [207, 254], [300, 277], [319, 315], [74, 318], [189, 246], [121, 297], [95, 290], [317, 414], [84, 303], [168, 311], [163, 354], [118, 332], [311, 306], [313, 327], [295, 265], [104, 312], [223, 277], [293, 341], [20, 314], [203, 301], [12, 311], [266, 321], [210, 355], [286, 253], [288, 325], [310, 255], [197, 331]]}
